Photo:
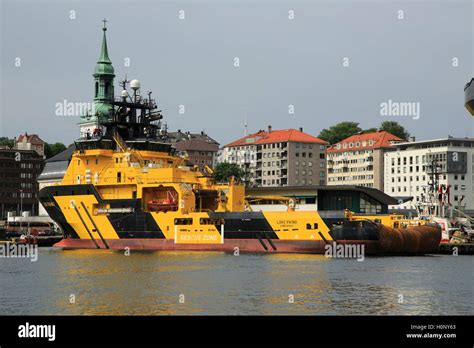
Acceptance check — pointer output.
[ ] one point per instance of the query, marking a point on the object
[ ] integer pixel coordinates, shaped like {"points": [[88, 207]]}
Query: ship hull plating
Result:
{"points": [[230, 246], [88, 221]]}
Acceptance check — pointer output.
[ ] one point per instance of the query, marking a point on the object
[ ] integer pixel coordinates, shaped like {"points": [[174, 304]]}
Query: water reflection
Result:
{"points": [[153, 283]]}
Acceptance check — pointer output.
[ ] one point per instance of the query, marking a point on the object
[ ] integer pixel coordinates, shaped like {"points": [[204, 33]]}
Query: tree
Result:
{"points": [[370, 130], [396, 129], [4, 141], [223, 172], [51, 150], [339, 131]]}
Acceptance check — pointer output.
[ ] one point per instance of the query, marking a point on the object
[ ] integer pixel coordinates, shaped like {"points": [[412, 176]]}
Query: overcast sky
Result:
{"points": [[283, 61]]}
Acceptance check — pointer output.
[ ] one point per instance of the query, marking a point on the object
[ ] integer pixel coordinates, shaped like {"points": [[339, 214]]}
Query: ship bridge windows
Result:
{"points": [[160, 199], [313, 226]]}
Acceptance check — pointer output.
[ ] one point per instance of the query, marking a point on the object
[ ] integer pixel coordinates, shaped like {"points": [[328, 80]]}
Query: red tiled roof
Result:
{"points": [[380, 139], [275, 136], [31, 138]]}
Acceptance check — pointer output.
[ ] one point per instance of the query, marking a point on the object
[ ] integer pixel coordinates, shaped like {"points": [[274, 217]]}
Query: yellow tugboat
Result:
{"points": [[125, 187]]}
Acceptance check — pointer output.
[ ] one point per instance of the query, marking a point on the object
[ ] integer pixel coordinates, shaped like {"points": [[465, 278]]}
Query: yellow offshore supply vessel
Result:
{"points": [[126, 187]]}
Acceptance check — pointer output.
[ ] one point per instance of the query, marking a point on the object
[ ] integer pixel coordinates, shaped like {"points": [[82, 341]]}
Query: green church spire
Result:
{"points": [[103, 88], [104, 65], [104, 53], [104, 80]]}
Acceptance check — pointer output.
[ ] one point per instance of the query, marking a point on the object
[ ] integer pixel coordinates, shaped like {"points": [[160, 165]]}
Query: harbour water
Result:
{"points": [[98, 282]]}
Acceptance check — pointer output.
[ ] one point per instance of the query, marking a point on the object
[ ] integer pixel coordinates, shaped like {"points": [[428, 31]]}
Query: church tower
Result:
{"points": [[103, 89]]}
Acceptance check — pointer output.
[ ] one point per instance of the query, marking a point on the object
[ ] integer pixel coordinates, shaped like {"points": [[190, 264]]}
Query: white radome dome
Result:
{"points": [[134, 84], [124, 93]]}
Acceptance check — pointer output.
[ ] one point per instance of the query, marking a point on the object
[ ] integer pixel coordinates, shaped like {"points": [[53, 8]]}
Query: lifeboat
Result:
{"points": [[163, 205]]}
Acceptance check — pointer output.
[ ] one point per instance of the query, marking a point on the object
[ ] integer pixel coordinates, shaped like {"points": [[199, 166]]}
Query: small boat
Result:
{"points": [[469, 97]]}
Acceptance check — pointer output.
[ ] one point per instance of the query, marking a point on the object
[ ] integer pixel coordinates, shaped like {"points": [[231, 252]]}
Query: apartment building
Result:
{"points": [[272, 158], [19, 170], [200, 148], [20, 167], [359, 159], [409, 169]]}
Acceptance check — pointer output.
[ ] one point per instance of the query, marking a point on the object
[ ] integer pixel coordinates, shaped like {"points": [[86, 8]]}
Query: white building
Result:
{"points": [[408, 170], [245, 157], [53, 172]]}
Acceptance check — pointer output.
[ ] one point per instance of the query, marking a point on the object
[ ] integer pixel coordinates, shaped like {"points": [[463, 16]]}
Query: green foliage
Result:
{"points": [[339, 131], [223, 172], [51, 150], [4, 141], [344, 130], [395, 128], [370, 130]]}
